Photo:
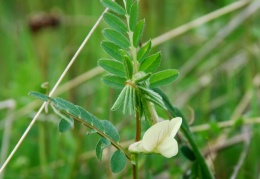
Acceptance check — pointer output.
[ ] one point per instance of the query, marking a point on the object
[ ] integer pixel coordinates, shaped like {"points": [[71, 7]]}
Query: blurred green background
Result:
{"points": [[219, 81]]}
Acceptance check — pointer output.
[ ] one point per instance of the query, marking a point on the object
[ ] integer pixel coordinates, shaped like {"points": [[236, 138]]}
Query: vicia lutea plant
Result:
{"points": [[132, 69]]}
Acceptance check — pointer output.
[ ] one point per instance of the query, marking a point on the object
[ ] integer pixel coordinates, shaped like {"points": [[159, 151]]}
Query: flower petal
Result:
{"points": [[175, 124], [137, 147], [168, 148], [155, 134], [159, 131]]}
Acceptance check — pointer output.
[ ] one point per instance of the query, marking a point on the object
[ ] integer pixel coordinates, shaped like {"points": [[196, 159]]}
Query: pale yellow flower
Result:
{"points": [[159, 139]]}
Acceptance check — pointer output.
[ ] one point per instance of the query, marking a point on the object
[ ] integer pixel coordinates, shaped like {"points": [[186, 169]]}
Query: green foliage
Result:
{"points": [[144, 51], [115, 23], [128, 4], [21, 73], [118, 161], [152, 96], [104, 128], [112, 50], [113, 6], [133, 16], [65, 124], [114, 81], [188, 153], [112, 66], [39, 96], [101, 145], [164, 77], [129, 101], [110, 130], [138, 33], [128, 67], [116, 38], [120, 99], [151, 63]]}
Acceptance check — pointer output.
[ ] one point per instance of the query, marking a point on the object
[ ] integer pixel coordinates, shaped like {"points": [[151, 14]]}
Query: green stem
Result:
{"points": [[175, 112]]}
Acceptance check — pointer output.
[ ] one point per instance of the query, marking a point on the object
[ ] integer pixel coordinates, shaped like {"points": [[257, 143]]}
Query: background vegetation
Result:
{"points": [[218, 87]]}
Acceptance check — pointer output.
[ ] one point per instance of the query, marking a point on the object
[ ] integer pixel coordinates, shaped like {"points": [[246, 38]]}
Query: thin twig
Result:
{"points": [[52, 91]]}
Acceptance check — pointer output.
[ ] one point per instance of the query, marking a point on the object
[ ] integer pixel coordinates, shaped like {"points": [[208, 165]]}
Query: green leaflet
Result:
{"points": [[112, 66], [86, 116], [118, 161], [101, 145], [152, 96], [150, 63], [164, 77], [65, 124], [114, 81], [138, 33], [113, 6], [116, 38], [92, 120], [120, 99], [115, 23], [128, 66], [144, 51], [39, 96], [133, 16], [65, 106], [129, 100], [110, 130], [128, 4], [112, 50]]}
